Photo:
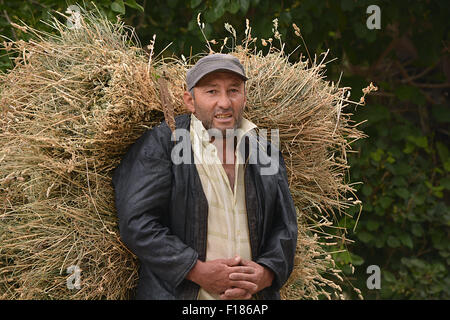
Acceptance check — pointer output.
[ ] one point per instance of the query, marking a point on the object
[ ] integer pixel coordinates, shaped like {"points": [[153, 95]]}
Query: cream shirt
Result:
{"points": [[227, 234]]}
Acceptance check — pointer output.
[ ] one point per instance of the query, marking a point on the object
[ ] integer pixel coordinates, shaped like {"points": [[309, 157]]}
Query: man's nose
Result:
{"points": [[224, 101]]}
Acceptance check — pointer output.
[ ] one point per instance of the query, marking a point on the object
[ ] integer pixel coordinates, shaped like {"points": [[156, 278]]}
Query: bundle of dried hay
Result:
{"points": [[74, 103]]}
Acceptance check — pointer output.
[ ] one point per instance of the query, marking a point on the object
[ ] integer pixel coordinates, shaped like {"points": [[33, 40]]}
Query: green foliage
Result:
{"points": [[404, 164], [405, 217]]}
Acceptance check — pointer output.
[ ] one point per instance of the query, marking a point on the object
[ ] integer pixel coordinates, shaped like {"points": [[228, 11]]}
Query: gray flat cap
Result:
{"points": [[211, 63]]}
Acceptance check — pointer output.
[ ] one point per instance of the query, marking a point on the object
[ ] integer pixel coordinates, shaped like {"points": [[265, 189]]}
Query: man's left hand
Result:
{"points": [[261, 276]]}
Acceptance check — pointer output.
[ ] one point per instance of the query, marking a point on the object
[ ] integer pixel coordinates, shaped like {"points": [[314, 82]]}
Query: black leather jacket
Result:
{"points": [[163, 212]]}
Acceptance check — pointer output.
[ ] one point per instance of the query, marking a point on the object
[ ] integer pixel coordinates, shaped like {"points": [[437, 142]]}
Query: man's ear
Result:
{"points": [[189, 101]]}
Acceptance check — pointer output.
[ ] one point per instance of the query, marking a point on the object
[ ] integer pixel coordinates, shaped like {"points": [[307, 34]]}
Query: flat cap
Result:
{"points": [[211, 63]]}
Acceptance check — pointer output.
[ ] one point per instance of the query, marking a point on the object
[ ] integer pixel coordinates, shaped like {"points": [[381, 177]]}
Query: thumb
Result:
{"points": [[233, 261]]}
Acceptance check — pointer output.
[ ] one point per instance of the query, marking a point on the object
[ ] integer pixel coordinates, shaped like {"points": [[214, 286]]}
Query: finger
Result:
{"points": [[231, 295], [236, 293], [232, 261], [246, 285], [248, 263], [247, 296], [242, 277], [242, 269]]}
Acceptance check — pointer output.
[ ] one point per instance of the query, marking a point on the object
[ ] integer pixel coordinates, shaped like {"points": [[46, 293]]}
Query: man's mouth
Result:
{"points": [[223, 116]]}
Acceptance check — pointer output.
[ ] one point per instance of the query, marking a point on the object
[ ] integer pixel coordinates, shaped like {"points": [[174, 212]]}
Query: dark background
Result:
{"points": [[404, 164]]}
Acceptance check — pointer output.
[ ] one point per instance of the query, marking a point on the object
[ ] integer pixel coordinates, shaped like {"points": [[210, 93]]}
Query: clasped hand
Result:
{"points": [[233, 278]]}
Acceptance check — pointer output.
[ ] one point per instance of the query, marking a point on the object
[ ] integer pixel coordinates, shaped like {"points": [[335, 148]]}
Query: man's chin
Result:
{"points": [[224, 124]]}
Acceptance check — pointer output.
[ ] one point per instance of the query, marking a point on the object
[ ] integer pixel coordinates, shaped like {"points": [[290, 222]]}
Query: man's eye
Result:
{"points": [[211, 91]]}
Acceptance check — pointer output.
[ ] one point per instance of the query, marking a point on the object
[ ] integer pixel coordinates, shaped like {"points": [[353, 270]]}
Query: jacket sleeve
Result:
{"points": [[278, 252], [142, 184]]}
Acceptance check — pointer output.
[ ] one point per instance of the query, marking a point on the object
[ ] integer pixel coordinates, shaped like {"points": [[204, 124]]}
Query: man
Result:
{"points": [[215, 226]]}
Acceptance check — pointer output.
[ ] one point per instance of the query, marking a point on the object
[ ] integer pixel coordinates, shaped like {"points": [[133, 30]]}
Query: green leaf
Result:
{"points": [[390, 159], [399, 181], [437, 237], [413, 262], [428, 184], [385, 202], [118, 6], [356, 260], [402, 193], [346, 269], [341, 257], [133, 4], [406, 240], [379, 242], [399, 132], [402, 168], [420, 141], [393, 242], [216, 12], [438, 170], [441, 113], [419, 199], [195, 3], [244, 5], [376, 156], [211, 16], [233, 6], [417, 230], [443, 151], [409, 147], [388, 276], [220, 10], [364, 236], [447, 165], [445, 183]]}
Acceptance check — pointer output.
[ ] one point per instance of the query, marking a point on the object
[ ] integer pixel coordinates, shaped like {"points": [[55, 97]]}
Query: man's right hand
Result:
{"points": [[214, 276]]}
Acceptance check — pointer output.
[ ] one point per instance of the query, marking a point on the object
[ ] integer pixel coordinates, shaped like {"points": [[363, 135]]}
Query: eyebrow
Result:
{"points": [[233, 84], [210, 85]]}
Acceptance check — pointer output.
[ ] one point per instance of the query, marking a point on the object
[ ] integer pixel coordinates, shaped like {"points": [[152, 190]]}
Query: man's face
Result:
{"points": [[219, 100]]}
